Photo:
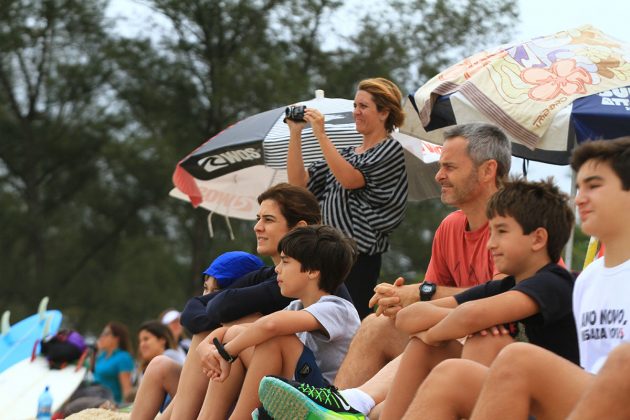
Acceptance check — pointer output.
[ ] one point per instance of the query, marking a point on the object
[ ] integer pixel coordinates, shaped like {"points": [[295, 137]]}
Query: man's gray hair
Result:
{"points": [[485, 142]]}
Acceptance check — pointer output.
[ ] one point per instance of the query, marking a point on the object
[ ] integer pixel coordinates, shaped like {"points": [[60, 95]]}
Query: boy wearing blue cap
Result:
{"points": [[228, 267]]}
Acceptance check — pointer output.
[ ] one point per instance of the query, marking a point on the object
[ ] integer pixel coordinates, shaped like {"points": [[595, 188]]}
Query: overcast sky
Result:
{"points": [[537, 18], [542, 17]]}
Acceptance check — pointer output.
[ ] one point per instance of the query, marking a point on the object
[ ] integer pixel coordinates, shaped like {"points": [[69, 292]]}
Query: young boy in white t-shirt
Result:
{"points": [[529, 380], [307, 341]]}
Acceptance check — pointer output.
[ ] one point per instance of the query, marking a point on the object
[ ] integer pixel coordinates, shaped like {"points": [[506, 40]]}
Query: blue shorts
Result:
{"points": [[307, 371], [512, 327]]}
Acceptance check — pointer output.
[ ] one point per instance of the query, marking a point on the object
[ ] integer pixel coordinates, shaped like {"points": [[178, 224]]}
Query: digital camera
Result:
{"points": [[295, 113]]}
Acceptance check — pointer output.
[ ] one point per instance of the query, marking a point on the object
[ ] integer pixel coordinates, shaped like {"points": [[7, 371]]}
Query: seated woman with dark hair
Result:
{"points": [[154, 339], [282, 208]]}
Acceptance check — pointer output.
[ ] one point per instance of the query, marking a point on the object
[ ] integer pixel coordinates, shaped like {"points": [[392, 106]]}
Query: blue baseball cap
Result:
{"points": [[229, 266]]}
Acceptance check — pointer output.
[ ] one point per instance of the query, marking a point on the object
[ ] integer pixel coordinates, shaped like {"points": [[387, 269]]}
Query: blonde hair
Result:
{"points": [[387, 97]]}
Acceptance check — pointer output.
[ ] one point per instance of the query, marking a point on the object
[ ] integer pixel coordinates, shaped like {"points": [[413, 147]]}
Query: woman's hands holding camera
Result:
{"points": [[316, 119], [295, 126], [312, 116]]}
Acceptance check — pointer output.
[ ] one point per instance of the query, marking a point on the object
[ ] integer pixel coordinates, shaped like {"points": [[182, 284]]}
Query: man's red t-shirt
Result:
{"points": [[459, 258]]}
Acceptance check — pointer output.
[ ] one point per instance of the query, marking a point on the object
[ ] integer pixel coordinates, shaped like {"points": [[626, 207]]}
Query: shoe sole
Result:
{"points": [[283, 402]]}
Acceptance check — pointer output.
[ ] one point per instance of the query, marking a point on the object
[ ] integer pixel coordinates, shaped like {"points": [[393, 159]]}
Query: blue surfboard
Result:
{"points": [[17, 341]]}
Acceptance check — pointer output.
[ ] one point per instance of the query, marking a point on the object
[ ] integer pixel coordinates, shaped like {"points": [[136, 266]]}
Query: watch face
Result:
{"points": [[427, 288]]}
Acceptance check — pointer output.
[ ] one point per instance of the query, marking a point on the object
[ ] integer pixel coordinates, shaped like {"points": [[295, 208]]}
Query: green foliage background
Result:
{"points": [[92, 124]]}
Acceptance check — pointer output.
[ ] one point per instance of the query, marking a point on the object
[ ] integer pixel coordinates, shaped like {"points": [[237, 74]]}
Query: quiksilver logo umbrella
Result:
{"points": [[213, 162]]}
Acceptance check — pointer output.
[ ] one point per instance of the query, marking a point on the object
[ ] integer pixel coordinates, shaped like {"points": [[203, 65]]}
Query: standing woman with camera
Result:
{"points": [[361, 190]]}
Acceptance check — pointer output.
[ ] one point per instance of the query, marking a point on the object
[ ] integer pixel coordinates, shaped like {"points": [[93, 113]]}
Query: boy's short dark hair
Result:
{"points": [[324, 249], [296, 203], [534, 205], [614, 152]]}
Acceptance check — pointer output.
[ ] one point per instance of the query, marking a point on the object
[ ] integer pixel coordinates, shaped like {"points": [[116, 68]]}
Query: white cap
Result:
{"points": [[170, 316], [319, 94]]}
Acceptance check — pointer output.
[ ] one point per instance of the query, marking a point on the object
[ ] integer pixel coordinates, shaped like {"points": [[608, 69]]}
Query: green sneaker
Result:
{"points": [[290, 400]]}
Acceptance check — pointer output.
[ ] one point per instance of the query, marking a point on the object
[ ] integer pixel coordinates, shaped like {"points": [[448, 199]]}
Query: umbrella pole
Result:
{"points": [[568, 251]]}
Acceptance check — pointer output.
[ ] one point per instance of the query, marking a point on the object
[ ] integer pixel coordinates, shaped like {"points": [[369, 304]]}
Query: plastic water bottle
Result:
{"points": [[44, 405]]}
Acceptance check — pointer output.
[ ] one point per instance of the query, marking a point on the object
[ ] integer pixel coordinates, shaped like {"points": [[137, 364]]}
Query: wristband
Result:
{"points": [[226, 356]]}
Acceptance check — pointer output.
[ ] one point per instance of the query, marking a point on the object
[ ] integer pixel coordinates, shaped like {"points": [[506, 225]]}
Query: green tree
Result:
{"points": [[410, 41], [580, 245], [78, 212], [92, 125], [54, 129], [411, 242], [223, 62]]}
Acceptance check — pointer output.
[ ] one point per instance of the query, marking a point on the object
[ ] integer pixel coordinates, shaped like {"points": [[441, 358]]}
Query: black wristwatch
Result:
{"points": [[427, 290], [222, 351]]}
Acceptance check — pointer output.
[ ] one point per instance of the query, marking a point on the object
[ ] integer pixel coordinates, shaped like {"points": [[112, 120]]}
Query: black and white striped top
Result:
{"points": [[368, 214]]}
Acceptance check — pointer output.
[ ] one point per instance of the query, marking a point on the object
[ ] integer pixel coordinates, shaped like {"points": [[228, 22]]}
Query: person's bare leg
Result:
{"points": [[168, 411], [606, 396], [220, 396], [376, 343], [375, 413], [416, 363], [278, 356], [484, 349], [528, 379], [192, 383], [379, 384], [449, 392], [160, 378]]}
